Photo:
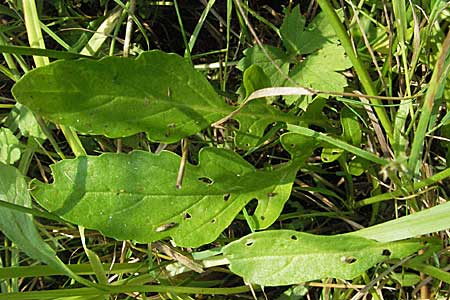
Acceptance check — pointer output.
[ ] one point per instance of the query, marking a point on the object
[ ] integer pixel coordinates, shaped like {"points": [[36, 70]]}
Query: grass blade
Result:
{"points": [[426, 221], [338, 143]]}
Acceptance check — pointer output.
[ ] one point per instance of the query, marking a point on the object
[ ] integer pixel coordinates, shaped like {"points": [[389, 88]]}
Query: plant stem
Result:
{"points": [[361, 71], [123, 289], [439, 76], [417, 185]]}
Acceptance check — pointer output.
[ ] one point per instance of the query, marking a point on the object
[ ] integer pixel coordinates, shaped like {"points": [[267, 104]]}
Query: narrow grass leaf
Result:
{"points": [[306, 132], [102, 33], [423, 222]]}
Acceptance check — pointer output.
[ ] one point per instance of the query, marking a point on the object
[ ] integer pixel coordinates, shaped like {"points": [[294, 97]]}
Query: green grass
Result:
{"points": [[360, 138]]}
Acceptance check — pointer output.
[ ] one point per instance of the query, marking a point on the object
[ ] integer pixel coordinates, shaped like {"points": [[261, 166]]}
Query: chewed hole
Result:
{"points": [[263, 218], [249, 243], [294, 237], [348, 259], [386, 252], [206, 180], [167, 226], [187, 216], [213, 221], [251, 207], [226, 197]]}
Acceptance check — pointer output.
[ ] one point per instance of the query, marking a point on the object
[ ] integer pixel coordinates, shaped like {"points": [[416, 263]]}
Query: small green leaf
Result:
{"points": [[133, 196], [254, 119], [9, 147], [351, 129], [358, 166], [157, 93], [255, 79], [256, 56], [284, 257], [330, 154]]}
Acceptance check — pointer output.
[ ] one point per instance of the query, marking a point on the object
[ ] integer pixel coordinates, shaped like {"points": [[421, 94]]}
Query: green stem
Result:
{"points": [[80, 269], [187, 51], [123, 289], [338, 143], [22, 50], [361, 71], [417, 185], [439, 76], [430, 270], [31, 211]]}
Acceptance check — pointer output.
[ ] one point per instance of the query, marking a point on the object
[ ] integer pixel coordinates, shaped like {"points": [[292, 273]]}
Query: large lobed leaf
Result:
{"points": [[283, 257], [320, 69], [133, 196], [300, 40], [158, 93], [256, 56]]}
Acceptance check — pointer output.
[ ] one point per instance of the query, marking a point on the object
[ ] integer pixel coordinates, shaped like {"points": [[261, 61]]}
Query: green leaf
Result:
{"points": [[256, 56], [291, 30], [254, 119], [351, 129], [321, 26], [284, 257], [330, 154], [9, 147], [423, 222], [303, 132], [158, 93], [23, 118], [256, 116], [406, 279], [358, 166], [19, 227], [133, 196], [319, 70], [299, 40], [270, 207], [254, 79]]}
